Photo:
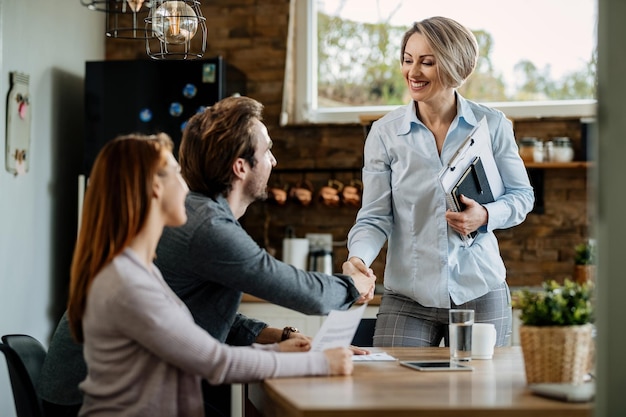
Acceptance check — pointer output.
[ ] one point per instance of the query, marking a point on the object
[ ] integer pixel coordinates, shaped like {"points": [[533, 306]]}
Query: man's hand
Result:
{"points": [[470, 219], [363, 277], [274, 335]]}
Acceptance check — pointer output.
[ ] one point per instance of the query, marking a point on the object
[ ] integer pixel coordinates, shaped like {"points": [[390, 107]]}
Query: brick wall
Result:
{"points": [[251, 35]]}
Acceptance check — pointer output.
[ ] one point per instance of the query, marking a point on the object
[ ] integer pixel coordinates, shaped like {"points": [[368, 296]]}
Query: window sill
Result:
{"points": [[513, 110]]}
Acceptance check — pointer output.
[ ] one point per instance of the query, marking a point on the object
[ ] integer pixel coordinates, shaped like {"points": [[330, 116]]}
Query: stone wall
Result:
{"points": [[251, 35]]}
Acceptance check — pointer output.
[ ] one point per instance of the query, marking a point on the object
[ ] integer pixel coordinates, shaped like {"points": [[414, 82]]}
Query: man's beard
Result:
{"points": [[256, 192]]}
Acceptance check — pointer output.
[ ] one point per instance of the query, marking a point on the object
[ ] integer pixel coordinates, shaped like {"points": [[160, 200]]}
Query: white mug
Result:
{"points": [[483, 340]]}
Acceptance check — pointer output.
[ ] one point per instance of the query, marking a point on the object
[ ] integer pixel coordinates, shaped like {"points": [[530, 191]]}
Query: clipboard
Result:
{"points": [[473, 184], [476, 145]]}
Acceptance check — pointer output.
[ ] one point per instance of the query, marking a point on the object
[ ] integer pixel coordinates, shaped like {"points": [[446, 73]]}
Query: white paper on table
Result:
{"points": [[338, 329], [374, 357]]}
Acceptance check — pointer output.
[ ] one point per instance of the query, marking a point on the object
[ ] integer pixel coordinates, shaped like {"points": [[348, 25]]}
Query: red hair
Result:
{"points": [[117, 202]]}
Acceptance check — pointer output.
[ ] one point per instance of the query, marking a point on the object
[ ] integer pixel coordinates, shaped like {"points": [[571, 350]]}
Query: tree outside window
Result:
{"points": [[359, 57]]}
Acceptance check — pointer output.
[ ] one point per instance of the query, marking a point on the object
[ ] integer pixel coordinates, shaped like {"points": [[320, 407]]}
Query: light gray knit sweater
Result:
{"points": [[145, 355]]}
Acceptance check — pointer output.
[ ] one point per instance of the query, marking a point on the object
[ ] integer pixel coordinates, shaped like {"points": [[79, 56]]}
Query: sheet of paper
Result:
{"points": [[378, 356], [338, 329]]}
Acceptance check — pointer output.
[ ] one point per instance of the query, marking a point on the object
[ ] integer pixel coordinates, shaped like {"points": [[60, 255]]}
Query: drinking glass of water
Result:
{"points": [[461, 322]]}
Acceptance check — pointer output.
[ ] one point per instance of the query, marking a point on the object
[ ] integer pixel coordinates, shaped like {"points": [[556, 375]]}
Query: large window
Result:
{"points": [[537, 57]]}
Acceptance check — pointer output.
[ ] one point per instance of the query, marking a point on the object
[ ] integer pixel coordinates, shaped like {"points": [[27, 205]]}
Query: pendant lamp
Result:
{"points": [[179, 30], [125, 19]]}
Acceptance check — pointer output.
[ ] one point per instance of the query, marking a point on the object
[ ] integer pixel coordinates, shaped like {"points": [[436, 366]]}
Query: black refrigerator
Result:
{"points": [[146, 96]]}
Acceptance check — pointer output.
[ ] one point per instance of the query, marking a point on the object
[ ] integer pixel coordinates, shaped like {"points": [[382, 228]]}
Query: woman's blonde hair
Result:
{"points": [[454, 47], [116, 206]]}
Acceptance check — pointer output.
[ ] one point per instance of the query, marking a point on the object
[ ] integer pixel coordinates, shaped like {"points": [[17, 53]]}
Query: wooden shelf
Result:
{"points": [[559, 165]]}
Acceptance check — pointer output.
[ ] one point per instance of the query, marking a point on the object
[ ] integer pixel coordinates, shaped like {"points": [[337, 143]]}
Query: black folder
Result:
{"points": [[473, 184]]}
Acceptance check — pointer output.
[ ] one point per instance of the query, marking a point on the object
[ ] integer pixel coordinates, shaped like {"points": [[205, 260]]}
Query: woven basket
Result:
{"points": [[556, 353]]}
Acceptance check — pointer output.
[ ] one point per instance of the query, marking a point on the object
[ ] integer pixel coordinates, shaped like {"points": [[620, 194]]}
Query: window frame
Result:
{"points": [[306, 106]]}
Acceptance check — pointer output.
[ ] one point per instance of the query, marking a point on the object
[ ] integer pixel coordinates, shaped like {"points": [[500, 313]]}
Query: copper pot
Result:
{"points": [[278, 194], [352, 192], [329, 194], [302, 192]]}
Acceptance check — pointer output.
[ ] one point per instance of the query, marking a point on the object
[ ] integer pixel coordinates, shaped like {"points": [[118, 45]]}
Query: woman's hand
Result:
{"points": [[359, 350], [361, 267], [295, 344], [339, 361], [470, 219]]}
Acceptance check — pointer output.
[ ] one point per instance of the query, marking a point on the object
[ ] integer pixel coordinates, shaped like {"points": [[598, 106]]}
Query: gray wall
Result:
{"points": [[50, 40]]}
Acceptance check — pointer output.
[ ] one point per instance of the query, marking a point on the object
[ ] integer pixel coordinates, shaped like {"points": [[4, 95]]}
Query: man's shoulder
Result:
{"points": [[200, 202], [204, 213]]}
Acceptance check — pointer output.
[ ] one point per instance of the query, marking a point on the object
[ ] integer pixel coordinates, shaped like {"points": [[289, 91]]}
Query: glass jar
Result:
{"points": [[548, 151], [527, 148], [538, 151], [563, 151]]}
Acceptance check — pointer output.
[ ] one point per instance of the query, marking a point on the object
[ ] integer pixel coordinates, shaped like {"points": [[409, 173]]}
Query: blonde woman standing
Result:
{"points": [[428, 269]]}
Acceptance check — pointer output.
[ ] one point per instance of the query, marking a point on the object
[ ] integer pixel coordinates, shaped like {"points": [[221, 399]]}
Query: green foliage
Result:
{"points": [[557, 305], [585, 253], [358, 63]]}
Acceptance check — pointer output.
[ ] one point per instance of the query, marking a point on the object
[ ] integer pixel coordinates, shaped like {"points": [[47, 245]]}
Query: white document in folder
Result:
{"points": [[477, 144], [338, 329]]}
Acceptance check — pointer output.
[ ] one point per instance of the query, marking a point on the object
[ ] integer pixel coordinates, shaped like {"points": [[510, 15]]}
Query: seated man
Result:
{"points": [[226, 159]]}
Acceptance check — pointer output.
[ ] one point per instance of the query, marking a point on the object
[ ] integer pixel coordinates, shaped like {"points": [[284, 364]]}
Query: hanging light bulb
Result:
{"points": [[174, 22], [135, 5]]}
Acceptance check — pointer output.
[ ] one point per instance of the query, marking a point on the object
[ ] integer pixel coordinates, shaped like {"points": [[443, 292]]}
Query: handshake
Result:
{"points": [[362, 276]]}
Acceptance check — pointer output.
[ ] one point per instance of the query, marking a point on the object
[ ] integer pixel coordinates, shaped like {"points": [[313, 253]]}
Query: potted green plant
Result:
{"points": [[585, 261], [556, 331]]}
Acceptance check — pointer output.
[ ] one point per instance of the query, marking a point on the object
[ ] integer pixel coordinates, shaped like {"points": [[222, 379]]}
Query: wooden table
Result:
{"points": [[496, 387]]}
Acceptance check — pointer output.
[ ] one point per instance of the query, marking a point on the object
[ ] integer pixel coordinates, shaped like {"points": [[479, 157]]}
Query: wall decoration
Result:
{"points": [[18, 125]]}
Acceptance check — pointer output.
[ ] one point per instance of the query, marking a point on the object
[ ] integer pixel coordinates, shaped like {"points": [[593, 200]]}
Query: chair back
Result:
{"points": [[364, 336], [25, 356]]}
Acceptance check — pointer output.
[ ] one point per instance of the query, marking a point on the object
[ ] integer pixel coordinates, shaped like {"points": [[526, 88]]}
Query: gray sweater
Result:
{"points": [[211, 260], [146, 356]]}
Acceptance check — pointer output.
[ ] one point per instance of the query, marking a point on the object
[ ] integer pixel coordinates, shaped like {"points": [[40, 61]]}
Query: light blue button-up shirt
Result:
{"points": [[404, 204]]}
